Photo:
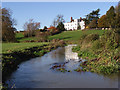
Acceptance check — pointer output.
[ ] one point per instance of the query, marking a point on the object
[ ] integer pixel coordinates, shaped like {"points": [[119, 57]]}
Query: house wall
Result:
{"points": [[74, 24]]}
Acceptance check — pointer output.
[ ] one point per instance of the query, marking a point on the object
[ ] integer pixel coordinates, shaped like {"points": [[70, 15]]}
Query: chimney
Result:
{"points": [[80, 18], [71, 19]]}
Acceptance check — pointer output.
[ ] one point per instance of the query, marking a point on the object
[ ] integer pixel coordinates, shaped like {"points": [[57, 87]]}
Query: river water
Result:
{"points": [[37, 73]]}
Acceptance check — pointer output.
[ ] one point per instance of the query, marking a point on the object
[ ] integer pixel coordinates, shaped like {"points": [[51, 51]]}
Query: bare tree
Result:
{"points": [[59, 18], [30, 27], [54, 23]]}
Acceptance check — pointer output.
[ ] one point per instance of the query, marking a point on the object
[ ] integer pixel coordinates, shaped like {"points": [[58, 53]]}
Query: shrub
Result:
{"points": [[97, 44], [42, 36], [28, 33], [60, 27], [91, 37], [83, 36]]}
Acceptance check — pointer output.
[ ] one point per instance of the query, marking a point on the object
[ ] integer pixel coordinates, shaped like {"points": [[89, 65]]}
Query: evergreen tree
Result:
{"points": [[45, 27], [93, 15], [111, 17], [117, 18], [93, 24], [60, 27]]}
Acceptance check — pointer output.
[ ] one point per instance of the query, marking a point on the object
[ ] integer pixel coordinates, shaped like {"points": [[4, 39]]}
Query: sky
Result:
{"points": [[45, 12]]}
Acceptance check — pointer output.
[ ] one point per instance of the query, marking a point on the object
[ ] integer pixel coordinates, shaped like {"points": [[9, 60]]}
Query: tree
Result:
{"points": [[79, 27], [30, 28], [60, 27], [117, 18], [102, 22], [54, 23], [45, 27], [8, 26], [93, 24], [0, 24], [93, 15], [57, 20], [110, 16]]}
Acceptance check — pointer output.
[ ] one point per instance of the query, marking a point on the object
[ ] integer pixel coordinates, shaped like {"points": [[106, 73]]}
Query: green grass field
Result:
{"points": [[8, 47], [20, 37], [75, 35], [67, 35]]}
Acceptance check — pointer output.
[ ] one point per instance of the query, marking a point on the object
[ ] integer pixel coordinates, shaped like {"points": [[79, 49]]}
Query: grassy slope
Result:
{"points": [[74, 35], [20, 37], [67, 35]]}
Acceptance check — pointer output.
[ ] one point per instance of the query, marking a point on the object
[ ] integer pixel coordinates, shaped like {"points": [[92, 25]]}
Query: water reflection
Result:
{"points": [[69, 55], [59, 54]]}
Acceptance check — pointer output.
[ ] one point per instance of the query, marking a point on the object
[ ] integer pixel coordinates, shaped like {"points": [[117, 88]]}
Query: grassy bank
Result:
{"points": [[101, 52], [101, 49]]}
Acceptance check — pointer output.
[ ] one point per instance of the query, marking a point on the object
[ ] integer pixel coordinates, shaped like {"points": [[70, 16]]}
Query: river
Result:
{"points": [[37, 73]]}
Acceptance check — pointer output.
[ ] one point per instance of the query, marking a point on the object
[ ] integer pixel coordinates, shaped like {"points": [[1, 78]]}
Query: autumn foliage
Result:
{"points": [[8, 28], [102, 22]]}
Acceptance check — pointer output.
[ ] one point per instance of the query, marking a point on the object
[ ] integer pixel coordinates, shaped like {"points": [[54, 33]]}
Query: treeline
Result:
{"points": [[110, 20]]}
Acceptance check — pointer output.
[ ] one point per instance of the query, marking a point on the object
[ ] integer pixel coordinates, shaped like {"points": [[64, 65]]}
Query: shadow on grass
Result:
{"points": [[19, 38], [64, 38]]}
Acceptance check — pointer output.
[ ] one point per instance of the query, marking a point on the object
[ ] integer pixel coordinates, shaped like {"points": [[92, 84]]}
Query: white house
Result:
{"points": [[74, 23]]}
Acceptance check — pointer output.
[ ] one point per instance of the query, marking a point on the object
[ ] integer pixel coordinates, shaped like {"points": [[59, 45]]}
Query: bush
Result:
{"points": [[97, 44], [83, 36], [42, 36], [91, 37], [53, 32], [60, 27], [29, 33]]}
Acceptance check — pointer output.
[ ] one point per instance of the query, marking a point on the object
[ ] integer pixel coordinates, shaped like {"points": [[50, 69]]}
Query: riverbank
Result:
{"points": [[11, 61], [101, 52]]}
